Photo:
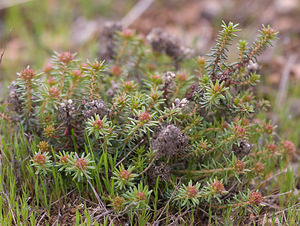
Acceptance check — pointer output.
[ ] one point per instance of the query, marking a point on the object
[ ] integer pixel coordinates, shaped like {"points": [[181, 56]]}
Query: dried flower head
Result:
{"points": [[169, 141], [255, 198], [241, 149], [163, 42], [67, 111], [161, 170], [15, 102], [169, 80], [107, 39], [93, 107]]}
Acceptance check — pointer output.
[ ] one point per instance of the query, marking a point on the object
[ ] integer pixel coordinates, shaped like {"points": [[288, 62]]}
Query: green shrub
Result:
{"points": [[153, 129]]}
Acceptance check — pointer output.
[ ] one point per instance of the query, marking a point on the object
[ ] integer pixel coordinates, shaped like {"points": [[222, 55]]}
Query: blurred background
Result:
{"points": [[30, 30]]}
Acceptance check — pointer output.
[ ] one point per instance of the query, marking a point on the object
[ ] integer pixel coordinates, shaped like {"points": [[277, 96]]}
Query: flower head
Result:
{"points": [[239, 131], [53, 92], [289, 147], [49, 131], [218, 187], [255, 198], [269, 128], [140, 196], [144, 117], [259, 167], [81, 163], [65, 57], [48, 67], [64, 159], [44, 146], [98, 124], [39, 158], [239, 165], [271, 147], [27, 74], [118, 203]]}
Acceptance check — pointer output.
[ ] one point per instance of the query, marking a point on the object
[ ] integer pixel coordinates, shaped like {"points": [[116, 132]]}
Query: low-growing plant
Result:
{"points": [[153, 131]]}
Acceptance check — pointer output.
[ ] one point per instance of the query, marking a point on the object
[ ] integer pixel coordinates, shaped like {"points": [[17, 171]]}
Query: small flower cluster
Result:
{"points": [[143, 124]]}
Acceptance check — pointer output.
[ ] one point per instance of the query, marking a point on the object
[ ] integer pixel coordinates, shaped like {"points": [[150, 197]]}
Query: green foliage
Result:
{"points": [[154, 136]]}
